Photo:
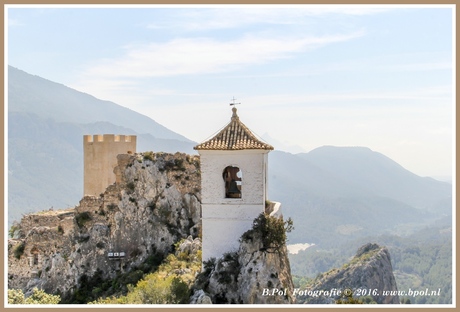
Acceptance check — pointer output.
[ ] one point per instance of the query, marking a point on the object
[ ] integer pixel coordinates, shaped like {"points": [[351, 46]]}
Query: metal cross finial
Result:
{"points": [[233, 102]]}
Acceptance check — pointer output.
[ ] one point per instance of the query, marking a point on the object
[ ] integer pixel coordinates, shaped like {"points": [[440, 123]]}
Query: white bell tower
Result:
{"points": [[233, 186]]}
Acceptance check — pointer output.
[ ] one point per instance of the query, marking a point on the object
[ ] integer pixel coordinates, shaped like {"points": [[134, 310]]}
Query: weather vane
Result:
{"points": [[233, 102]]}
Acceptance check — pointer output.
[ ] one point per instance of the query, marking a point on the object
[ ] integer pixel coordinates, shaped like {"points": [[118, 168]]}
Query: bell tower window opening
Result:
{"points": [[233, 181]]}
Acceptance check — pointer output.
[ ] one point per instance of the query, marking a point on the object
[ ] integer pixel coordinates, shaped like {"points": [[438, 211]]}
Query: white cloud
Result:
{"points": [[186, 56], [236, 16]]}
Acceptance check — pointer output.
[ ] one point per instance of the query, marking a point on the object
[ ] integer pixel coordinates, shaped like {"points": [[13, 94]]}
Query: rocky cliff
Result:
{"points": [[108, 241], [368, 275], [258, 273], [129, 228]]}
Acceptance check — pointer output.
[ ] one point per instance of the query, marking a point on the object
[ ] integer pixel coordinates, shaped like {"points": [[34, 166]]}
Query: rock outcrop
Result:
{"points": [[368, 274], [254, 274], [136, 221]]}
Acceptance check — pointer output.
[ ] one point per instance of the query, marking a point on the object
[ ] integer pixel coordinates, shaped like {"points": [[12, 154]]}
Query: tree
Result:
{"points": [[272, 230]]}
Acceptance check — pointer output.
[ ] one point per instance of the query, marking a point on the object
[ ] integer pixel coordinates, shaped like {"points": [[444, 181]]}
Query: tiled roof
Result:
{"points": [[235, 136]]}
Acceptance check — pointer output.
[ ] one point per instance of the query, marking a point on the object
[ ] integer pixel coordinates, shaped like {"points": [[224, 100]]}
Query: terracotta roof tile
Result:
{"points": [[235, 136]]}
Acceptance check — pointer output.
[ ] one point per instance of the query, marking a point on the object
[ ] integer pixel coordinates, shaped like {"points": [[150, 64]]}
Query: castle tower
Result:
{"points": [[233, 186], [100, 158]]}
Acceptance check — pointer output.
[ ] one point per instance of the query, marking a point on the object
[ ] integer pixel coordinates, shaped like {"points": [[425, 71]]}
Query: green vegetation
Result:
{"points": [[93, 287], [271, 229], [232, 268], [170, 284], [112, 206], [149, 156], [173, 164], [82, 218], [194, 160], [16, 296], [19, 250], [347, 298], [301, 281], [131, 186], [13, 229], [422, 260]]}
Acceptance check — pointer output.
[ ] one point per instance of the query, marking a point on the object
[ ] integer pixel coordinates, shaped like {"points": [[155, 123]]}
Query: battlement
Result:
{"points": [[100, 158], [108, 138]]}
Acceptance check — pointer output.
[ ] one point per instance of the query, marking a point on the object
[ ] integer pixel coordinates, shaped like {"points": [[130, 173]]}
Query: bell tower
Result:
{"points": [[233, 186]]}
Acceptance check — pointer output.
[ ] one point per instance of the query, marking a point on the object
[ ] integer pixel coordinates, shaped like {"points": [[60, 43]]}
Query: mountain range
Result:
{"points": [[333, 194]]}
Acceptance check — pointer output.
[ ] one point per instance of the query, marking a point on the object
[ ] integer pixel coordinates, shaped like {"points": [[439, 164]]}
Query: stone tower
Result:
{"points": [[233, 186], [100, 158]]}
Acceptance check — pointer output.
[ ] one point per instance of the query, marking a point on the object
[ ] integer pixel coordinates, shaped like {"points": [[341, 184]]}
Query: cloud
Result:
{"points": [[231, 16], [185, 56]]}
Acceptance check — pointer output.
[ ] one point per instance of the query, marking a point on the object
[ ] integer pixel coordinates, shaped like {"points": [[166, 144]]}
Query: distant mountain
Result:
{"points": [[280, 146], [374, 173], [49, 100], [333, 194], [337, 194]]}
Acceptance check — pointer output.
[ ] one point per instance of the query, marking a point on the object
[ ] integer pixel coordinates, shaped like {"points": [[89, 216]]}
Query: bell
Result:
{"points": [[233, 190]]}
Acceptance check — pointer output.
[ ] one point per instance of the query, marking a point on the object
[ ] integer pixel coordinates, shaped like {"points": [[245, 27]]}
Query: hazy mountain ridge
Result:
{"points": [[47, 99], [375, 173], [335, 207]]}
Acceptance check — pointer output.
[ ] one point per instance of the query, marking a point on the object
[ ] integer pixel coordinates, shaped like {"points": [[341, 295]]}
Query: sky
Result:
{"points": [[306, 75]]}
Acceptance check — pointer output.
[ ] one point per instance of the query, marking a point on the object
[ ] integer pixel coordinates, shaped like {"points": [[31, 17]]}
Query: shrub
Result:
{"points": [[82, 218], [347, 298], [13, 229], [111, 206], [179, 162], [19, 250], [272, 231], [209, 265], [131, 186], [152, 205], [83, 238], [100, 245], [16, 296], [165, 286], [232, 268], [149, 156]]}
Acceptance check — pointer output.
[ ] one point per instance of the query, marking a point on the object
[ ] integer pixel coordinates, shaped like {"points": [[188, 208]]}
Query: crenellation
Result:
{"points": [[100, 158], [87, 138], [108, 138]]}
